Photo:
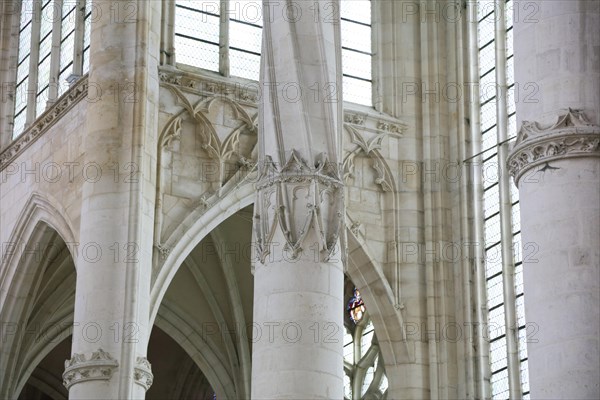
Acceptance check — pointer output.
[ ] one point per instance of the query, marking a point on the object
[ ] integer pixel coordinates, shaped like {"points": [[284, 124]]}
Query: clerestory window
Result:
{"points": [[495, 24], [225, 37], [53, 51]]}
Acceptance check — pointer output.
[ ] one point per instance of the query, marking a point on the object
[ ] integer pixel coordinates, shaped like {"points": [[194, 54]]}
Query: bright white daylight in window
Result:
{"points": [[496, 278], [53, 51], [229, 41]]}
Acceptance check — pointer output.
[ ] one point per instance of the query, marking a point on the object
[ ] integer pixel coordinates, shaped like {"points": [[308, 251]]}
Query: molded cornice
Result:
{"points": [[44, 122]]}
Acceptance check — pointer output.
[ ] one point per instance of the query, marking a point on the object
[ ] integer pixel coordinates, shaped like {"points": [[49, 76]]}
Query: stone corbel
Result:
{"points": [[100, 366], [572, 135], [143, 372]]}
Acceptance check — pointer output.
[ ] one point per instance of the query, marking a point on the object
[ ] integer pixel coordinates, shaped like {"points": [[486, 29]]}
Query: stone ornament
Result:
{"points": [[143, 372], [190, 82], [572, 135], [45, 121], [297, 198], [371, 139], [100, 366]]}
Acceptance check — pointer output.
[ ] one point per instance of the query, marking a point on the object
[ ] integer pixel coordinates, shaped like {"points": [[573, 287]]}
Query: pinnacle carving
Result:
{"points": [[572, 135], [298, 199], [100, 366]]}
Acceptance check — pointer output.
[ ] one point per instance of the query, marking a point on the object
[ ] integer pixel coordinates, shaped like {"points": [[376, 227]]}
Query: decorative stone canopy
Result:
{"points": [[298, 198], [572, 135]]}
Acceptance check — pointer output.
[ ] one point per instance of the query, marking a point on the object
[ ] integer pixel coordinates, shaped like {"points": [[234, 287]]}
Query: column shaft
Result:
{"points": [[110, 335], [298, 292], [556, 165]]}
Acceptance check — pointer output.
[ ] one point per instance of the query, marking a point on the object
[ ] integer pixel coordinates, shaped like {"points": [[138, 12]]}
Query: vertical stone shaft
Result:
{"points": [[298, 292], [110, 334], [556, 165]]}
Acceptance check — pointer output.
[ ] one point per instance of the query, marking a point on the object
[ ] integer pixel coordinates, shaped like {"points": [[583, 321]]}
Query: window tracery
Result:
{"points": [[364, 371]]}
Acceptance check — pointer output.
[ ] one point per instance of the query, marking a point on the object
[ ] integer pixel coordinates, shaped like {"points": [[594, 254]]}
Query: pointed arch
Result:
{"points": [[375, 289], [37, 237], [38, 208], [193, 229], [176, 323], [43, 348]]}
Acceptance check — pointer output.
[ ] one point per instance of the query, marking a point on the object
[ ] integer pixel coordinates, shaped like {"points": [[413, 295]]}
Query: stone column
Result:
{"points": [[298, 278], [114, 262], [555, 163]]}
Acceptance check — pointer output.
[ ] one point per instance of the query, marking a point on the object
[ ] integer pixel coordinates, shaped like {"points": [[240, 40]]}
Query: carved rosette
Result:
{"points": [[100, 366], [143, 372], [571, 136], [298, 200]]}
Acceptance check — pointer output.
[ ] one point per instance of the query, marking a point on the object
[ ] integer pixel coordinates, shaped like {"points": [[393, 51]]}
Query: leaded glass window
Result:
{"points": [[23, 59], [493, 168], [356, 51], [48, 55], [228, 41]]}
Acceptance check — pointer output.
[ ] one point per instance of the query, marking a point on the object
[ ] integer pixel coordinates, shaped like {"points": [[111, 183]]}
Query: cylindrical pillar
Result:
{"points": [[557, 171], [110, 332], [299, 278], [298, 322], [556, 165]]}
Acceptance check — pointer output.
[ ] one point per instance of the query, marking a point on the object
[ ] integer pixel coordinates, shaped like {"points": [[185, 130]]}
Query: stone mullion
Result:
{"points": [[224, 37], [506, 234], [483, 370], [376, 62], [8, 67], [34, 56], [55, 55], [356, 382], [466, 357], [78, 41], [167, 51]]}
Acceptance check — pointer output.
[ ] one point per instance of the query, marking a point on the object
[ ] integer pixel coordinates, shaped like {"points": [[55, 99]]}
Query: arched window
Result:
{"points": [[225, 37], [53, 51], [364, 371]]}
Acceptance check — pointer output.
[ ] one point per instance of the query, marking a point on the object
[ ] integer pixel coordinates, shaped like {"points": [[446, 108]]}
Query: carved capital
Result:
{"points": [[298, 199], [100, 366], [143, 372], [572, 135]]}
